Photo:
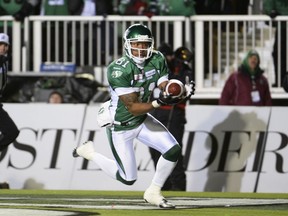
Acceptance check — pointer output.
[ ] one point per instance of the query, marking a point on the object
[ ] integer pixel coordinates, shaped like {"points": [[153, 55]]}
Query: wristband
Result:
{"points": [[155, 104]]}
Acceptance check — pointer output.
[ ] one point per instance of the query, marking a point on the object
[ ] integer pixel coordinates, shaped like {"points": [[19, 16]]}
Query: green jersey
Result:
{"points": [[125, 77], [11, 6], [280, 6], [55, 7], [177, 8]]}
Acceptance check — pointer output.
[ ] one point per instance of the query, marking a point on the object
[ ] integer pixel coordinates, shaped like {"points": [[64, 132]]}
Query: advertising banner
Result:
{"points": [[222, 147], [41, 157], [225, 148]]}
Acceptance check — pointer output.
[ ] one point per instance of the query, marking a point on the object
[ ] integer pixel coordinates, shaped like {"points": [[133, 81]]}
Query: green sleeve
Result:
{"points": [[118, 75]]}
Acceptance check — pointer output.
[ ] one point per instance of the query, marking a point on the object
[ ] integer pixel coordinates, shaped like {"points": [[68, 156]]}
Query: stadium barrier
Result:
{"points": [[226, 148]]}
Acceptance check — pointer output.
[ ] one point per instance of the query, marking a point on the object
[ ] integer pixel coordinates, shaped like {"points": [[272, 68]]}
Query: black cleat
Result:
{"points": [[74, 153]]}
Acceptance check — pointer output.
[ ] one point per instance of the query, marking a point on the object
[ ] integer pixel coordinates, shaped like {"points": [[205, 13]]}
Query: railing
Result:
{"points": [[14, 30], [94, 40], [219, 43]]}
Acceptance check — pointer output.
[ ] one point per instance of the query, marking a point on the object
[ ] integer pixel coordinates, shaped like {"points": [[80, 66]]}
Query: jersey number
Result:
{"points": [[122, 61]]}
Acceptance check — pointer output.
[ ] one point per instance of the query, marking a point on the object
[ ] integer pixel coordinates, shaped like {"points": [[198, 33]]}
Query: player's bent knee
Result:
{"points": [[173, 153], [124, 181]]}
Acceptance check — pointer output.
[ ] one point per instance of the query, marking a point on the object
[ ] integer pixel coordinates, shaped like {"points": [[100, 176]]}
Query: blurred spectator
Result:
{"points": [[247, 86], [138, 7], [52, 7], [92, 8], [82, 86], [215, 7], [56, 97], [241, 7], [275, 8], [84, 39], [167, 51], [177, 8], [173, 117], [18, 9], [52, 49]]}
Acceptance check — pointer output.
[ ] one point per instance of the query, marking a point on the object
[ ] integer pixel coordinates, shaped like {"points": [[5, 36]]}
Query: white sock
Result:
{"points": [[163, 170], [154, 187], [107, 165]]}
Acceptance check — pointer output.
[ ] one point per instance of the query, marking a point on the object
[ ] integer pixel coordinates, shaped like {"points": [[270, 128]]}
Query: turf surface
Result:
{"points": [[118, 203]]}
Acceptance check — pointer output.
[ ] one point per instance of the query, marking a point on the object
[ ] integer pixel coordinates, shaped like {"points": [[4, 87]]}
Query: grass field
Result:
{"points": [[126, 203]]}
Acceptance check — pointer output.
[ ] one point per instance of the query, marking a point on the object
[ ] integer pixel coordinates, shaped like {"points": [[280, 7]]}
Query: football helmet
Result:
{"points": [[138, 33]]}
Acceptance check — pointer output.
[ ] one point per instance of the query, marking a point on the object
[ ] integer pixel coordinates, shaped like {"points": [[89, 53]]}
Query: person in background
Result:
{"points": [[8, 129], [126, 117], [174, 117], [138, 7], [275, 8], [52, 34], [55, 8], [18, 9], [220, 7], [55, 97], [90, 7], [83, 35], [176, 8], [247, 86], [168, 53]]}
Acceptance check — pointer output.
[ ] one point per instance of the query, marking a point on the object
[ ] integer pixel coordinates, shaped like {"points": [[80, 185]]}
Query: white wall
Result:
{"points": [[222, 147]]}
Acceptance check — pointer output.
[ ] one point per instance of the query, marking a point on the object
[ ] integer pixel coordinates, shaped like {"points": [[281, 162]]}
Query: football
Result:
{"points": [[175, 88]]}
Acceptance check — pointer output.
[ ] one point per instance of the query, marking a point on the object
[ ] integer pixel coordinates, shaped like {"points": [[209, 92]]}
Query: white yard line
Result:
{"points": [[183, 202]]}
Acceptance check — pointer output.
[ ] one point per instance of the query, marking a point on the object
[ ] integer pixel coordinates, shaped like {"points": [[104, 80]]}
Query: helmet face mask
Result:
{"points": [[138, 43]]}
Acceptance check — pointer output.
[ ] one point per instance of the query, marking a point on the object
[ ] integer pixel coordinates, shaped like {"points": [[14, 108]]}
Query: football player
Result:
{"points": [[132, 79]]}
